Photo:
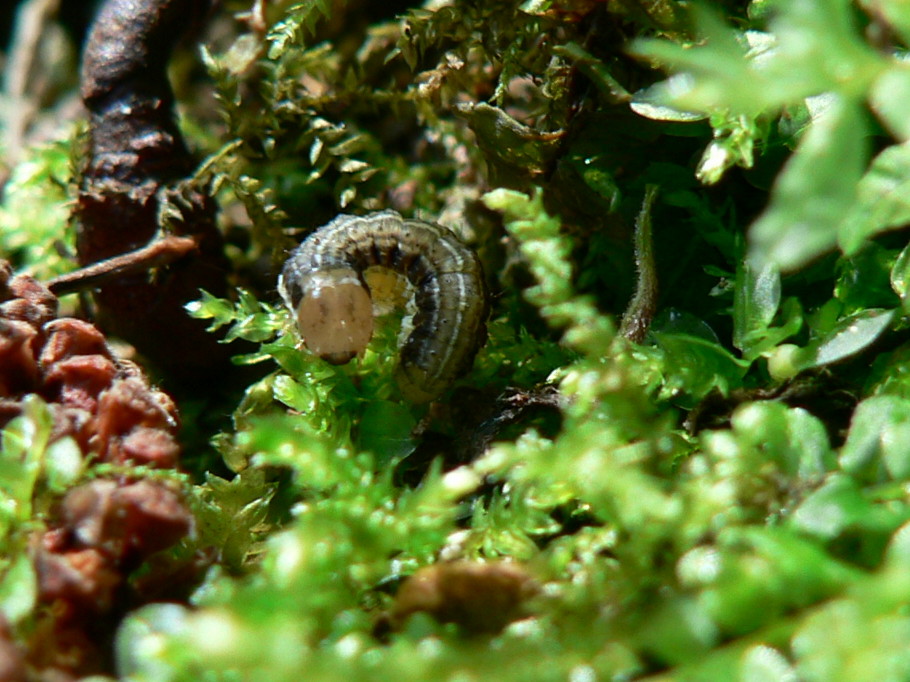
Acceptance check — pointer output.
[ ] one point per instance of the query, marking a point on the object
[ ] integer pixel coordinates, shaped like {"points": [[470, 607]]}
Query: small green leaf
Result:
{"points": [[830, 509], [209, 307], [33, 210], [242, 55], [346, 196], [761, 663], [882, 198], [352, 166], [598, 176], [349, 145], [900, 278], [385, 430], [742, 598], [697, 366], [595, 69], [878, 437], [840, 506], [297, 396], [815, 190], [849, 336], [319, 456], [506, 140], [791, 437], [300, 19], [712, 76], [316, 150], [23, 445], [648, 103], [230, 515], [18, 587], [864, 279], [859, 636], [763, 343], [890, 99], [63, 464], [756, 298], [138, 649], [733, 145]]}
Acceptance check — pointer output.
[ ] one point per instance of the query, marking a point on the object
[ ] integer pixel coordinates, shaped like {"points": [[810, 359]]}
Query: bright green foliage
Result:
{"points": [[232, 514], [548, 254], [811, 55], [725, 500], [34, 212], [746, 531], [31, 470], [300, 19], [762, 541]]}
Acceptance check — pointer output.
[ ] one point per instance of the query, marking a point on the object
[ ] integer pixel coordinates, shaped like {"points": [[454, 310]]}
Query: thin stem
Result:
{"points": [[641, 308], [157, 253]]}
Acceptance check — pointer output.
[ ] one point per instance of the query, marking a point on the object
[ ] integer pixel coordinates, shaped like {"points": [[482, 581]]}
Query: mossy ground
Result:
{"points": [[725, 500]]}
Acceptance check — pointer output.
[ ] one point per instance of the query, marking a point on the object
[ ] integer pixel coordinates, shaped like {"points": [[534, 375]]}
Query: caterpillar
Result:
{"points": [[336, 280]]}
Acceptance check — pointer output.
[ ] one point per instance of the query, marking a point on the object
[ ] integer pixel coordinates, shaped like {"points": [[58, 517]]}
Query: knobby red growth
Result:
{"points": [[102, 401], [105, 529]]}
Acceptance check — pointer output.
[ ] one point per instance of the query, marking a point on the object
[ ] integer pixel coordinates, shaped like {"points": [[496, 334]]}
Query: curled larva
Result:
{"points": [[329, 283]]}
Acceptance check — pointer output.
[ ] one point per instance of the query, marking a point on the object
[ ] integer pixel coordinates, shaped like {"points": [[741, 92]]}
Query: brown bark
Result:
{"points": [[136, 155]]}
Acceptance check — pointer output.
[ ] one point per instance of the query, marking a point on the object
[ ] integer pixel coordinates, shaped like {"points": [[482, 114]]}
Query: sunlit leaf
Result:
{"points": [[814, 191], [849, 336]]}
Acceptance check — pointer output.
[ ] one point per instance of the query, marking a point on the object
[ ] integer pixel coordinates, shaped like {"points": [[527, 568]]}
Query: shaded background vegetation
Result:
{"points": [[726, 499]]}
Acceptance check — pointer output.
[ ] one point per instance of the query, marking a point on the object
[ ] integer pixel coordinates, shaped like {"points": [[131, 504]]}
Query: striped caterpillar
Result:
{"points": [[333, 281]]}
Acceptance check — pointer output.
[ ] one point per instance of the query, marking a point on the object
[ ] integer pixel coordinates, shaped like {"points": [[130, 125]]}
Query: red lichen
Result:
{"points": [[104, 402], [104, 529]]}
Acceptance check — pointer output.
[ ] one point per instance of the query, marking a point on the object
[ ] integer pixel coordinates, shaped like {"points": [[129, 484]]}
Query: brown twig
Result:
{"points": [[136, 163], [159, 252]]}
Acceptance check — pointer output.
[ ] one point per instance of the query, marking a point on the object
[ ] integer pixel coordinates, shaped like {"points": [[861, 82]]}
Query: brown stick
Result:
{"points": [[136, 160], [159, 252]]}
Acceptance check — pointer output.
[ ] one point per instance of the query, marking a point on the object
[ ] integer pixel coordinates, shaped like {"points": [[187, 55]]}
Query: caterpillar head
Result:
{"points": [[335, 315]]}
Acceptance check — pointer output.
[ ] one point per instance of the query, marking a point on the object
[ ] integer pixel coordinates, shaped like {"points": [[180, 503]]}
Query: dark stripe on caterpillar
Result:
{"points": [[135, 153], [326, 285]]}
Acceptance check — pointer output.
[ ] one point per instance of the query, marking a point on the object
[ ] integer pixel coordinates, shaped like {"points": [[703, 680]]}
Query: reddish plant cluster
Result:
{"points": [[105, 529], [102, 401]]}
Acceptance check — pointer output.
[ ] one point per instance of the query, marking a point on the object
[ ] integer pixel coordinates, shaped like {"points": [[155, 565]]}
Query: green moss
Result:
{"points": [[726, 499], [35, 211]]}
